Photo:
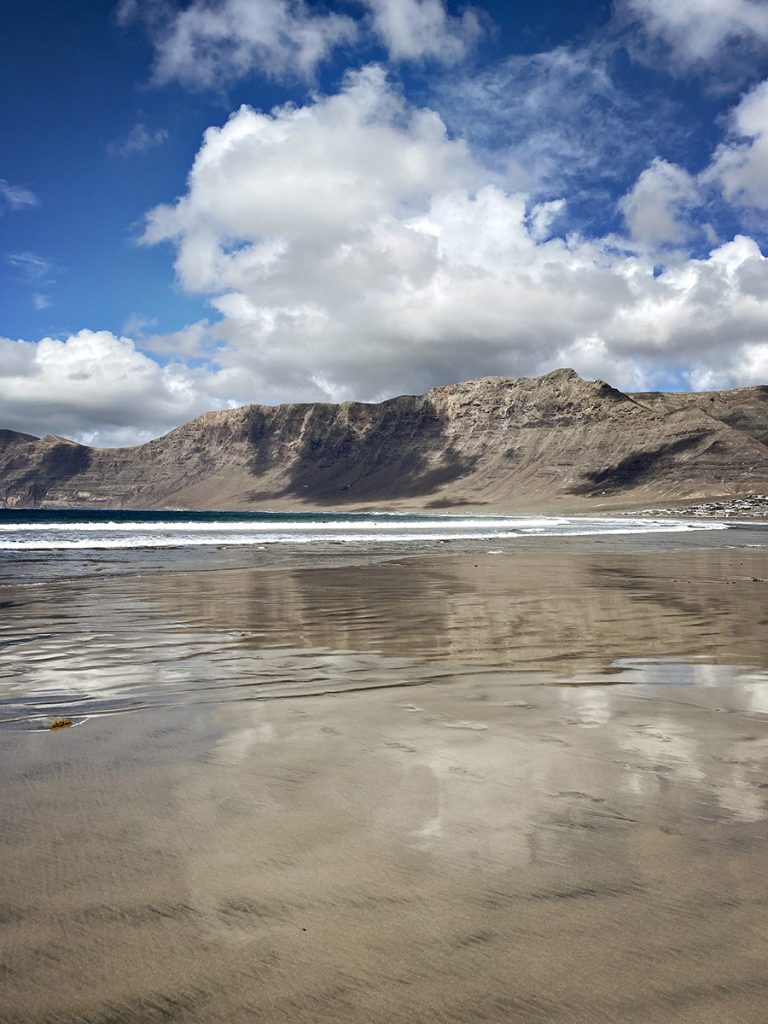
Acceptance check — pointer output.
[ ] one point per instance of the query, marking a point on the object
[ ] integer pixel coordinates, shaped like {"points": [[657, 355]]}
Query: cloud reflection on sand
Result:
{"points": [[552, 808]]}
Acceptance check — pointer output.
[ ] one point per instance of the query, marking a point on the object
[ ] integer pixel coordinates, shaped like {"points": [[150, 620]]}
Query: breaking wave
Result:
{"points": [[69, 530]]}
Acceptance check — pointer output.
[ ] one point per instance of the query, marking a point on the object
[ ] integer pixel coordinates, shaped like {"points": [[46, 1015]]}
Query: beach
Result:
{"points": [[502, 780], [384, 512]]}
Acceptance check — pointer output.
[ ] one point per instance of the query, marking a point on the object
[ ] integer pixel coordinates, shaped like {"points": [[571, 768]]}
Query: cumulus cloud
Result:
{"points": [[95, 387], [209, 43], [747, 368], [194, 341], [416, 29], [542, 216], [16, 197], [655, 207], [354, 249], [697, 30], [139, 139], [740, 165]]}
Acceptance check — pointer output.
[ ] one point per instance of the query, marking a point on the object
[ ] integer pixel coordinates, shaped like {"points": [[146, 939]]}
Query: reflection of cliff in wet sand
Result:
{"points": [[555, 442], [559, 613]]}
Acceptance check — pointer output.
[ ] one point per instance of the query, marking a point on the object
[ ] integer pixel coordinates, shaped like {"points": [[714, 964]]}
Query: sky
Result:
{"points": [[213, 203]]}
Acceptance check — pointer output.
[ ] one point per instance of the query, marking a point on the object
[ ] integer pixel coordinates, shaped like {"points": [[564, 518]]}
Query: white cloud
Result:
{"points": [[543, 216], [655, 207], [740, 165], [94, 387], [701, 314], [139, 139], [16, 197], [209, 43], [192, 342], [415, 29], [748, 367], [353, 249], [269, 188], [136, 325], [696, 30]]}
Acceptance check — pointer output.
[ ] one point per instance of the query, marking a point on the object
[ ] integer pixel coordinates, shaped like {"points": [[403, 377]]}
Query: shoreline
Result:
{"points": [[614, 505], [33, 567]]}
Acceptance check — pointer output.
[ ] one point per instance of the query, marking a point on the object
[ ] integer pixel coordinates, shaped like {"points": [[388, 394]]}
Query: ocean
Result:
{"points": [[40, 545], [87, 529]]}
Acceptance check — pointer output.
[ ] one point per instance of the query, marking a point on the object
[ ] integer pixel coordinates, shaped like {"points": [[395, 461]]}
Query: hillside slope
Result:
{"points": [[746, 409], [551, 442]]}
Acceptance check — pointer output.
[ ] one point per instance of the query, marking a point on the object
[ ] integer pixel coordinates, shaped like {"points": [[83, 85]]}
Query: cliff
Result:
{"points": [[552, 442]]}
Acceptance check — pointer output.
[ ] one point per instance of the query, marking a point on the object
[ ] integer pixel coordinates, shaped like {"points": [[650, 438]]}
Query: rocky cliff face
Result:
{"points": [[746, 409], [555, 441]]}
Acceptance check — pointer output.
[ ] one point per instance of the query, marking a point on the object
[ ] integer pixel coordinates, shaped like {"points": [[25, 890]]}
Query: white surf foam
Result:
{"points": [[155, 534]]}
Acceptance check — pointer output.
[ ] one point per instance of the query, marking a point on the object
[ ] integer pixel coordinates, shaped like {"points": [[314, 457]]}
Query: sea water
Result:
{"points": [[40, 545], [86, 529]]}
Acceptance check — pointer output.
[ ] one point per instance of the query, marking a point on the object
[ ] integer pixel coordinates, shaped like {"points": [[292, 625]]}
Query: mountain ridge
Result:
{"points": [[551, 442]]}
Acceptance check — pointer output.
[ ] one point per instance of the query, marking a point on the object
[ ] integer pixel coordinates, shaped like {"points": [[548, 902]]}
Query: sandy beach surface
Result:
{"points": [[523, 786]]}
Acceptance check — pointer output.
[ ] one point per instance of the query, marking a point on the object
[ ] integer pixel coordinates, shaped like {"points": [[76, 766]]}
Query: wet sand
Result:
{"points": [[525, 787]]}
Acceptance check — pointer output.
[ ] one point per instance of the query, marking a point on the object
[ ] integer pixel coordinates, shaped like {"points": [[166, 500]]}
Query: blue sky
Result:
{"points": [[228, 201]]}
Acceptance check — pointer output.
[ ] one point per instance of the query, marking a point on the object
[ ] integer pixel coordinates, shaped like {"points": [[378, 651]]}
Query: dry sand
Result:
{"points": [[552, 807]]}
